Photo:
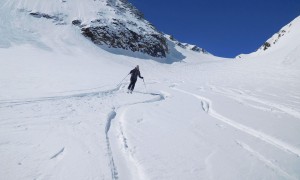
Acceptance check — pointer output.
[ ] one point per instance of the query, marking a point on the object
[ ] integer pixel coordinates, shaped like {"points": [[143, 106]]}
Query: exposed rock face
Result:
{"points": [[117, 35], [133, 33]]}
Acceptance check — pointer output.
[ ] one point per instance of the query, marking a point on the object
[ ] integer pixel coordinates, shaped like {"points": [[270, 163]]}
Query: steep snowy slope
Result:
{"points": [[65, 113], [287, 40], [287, 36]]}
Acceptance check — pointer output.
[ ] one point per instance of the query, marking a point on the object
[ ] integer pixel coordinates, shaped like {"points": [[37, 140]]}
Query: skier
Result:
{"points": [[134, 74]]}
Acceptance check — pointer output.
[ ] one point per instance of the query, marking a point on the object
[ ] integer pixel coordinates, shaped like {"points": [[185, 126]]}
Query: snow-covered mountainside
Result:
{"points": [[287, 37], [65, 112], [113, 23]]}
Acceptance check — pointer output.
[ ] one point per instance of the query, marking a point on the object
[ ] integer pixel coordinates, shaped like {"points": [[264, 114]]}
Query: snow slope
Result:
{"points": [[285, 40], [65, 113]]}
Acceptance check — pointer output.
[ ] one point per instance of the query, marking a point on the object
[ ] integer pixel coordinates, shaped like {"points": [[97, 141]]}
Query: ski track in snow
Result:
{"points": [[207, 107], [12, 103], [111, 116], [58, 153], [243, 96], [17, 102], [267, 162], [114, 171]]}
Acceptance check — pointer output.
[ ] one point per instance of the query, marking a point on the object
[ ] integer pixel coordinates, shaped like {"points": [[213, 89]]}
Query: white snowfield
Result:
{"points": [[65, 114]]}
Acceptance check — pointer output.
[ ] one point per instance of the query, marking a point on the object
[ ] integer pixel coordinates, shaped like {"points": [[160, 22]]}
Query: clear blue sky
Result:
{"points": [[225, 28]]}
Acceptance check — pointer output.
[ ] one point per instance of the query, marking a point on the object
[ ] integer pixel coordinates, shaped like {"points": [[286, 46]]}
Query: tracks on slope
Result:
{"points": [[113, 168], [264, 160], [239, 95], [207, 107], [111, 116], [17, 102]]}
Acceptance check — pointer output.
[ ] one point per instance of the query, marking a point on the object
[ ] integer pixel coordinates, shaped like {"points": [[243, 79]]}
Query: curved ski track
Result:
{"points": [[207, 107], [239, 95], [111, 116]]}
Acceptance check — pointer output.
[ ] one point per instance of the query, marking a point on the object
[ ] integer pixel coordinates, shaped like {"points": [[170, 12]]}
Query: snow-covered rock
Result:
{"points": [[186, 45]]}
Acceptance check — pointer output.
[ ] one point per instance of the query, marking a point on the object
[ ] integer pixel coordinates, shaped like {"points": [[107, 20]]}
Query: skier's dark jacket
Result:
{"points": [[134, 74]]}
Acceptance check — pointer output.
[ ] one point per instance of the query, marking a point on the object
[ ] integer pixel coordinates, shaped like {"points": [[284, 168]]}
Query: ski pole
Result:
{"points": [[145, 85], [123, 80]]}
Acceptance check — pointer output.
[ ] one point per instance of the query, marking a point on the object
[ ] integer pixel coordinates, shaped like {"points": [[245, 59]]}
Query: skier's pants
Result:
{"points": [[132, 84]]}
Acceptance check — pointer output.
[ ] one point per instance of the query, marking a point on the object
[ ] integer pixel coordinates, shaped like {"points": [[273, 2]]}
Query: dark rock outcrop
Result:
{"points": [[76, 22], [119, 36], [58, 19], [186, 45], [198, 49], [136, 34], [266, 45]]}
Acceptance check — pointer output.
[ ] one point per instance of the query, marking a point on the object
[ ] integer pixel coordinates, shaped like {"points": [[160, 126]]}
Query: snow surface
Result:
{"points": [[65, 114]]}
